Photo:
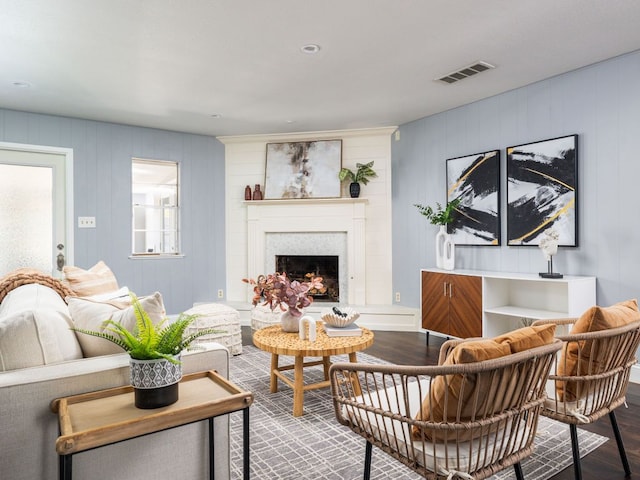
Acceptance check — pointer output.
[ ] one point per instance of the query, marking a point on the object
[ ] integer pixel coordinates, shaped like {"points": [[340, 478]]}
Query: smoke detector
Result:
{"points": [[465, 72]]}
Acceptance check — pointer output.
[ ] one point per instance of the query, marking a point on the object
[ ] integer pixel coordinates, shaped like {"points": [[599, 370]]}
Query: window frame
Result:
{"points": [[177, 231]]}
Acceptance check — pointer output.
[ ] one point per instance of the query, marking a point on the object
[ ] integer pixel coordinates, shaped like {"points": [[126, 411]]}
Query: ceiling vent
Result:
{"points": [[465, 72]]}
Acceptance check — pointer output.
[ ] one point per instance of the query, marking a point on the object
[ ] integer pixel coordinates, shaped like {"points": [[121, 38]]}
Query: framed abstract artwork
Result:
{"points": [[542, 191], [475, 181], [303, 169]]}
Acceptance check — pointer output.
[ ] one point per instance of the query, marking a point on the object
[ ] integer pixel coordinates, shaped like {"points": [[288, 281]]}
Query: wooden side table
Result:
{"points": [[203, 396], [275, 341]]}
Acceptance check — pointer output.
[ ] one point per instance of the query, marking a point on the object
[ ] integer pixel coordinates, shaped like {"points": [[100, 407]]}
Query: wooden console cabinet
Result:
{"points": [[474, 303], [452, 304]]}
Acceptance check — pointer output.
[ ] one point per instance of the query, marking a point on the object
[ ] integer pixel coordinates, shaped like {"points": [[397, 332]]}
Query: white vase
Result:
{"points": [[289, 323], [445, 249], [449, 254], [440, 238]]}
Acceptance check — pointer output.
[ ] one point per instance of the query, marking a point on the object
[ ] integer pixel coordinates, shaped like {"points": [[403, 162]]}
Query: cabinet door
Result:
{"points": [[465, 306], [435, 302]]}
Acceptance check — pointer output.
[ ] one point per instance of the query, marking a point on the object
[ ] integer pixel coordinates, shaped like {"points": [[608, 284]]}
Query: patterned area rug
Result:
{"points": [[316, 447]]}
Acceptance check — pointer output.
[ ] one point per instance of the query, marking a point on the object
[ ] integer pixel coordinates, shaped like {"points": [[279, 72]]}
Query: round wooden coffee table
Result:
{"points": [[276, 342]]}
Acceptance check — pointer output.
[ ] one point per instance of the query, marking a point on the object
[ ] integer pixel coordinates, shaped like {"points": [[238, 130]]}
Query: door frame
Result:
{"points": [[68, 168]]}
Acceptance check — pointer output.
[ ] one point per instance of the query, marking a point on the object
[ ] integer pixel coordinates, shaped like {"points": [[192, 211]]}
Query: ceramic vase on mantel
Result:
{"points": [[445, 250], [155, 382], [290, 323]]}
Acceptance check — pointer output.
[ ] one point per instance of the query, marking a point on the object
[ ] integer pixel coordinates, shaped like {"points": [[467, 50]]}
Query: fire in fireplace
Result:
{"points": [[325, 266]]}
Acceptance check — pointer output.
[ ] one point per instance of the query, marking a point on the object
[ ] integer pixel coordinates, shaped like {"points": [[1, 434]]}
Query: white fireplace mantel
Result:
{"points": [[311, 216]]}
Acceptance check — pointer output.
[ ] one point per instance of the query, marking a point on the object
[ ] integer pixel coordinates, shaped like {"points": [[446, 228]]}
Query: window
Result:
{"points": [[155, 216]]}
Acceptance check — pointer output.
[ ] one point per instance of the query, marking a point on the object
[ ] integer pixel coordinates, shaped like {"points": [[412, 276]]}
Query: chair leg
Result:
{"points": [[367, 461], [575, 448], [518, 468], [623, 454]]}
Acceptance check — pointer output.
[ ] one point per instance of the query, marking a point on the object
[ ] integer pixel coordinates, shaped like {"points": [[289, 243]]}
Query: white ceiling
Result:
{"points": [[172, 64]]}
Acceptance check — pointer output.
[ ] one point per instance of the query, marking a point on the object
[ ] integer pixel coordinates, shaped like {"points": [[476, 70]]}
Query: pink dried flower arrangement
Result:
{"points": [[277, 290]]}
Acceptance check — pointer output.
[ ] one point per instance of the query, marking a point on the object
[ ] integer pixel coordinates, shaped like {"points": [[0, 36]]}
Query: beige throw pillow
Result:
{"points": [[30, 338], [97, 280], [89, 314]]}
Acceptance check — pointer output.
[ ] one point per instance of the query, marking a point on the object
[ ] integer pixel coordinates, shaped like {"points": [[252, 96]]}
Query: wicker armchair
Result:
{"points": [[599, 384], [380, 403]]}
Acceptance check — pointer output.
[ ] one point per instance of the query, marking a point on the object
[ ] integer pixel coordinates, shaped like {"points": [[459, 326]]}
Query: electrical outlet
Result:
{"points": [[397, 296], [86, 222], [220, 293]]}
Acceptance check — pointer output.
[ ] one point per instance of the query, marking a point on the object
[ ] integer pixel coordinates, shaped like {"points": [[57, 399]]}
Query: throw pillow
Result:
{"points": [[446, 394], [528, 337], [89, 314], [576, 356], [29, 338], [32, 296], [97, 280]]}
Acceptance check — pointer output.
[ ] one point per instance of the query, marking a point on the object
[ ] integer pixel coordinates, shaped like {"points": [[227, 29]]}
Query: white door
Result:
{"points": [[36, 228]]}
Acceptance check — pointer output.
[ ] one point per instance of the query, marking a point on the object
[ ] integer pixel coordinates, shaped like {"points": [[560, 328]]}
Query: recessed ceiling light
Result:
{"points": [[216, 115], [291, 121], [19, 84], [310, 48]]}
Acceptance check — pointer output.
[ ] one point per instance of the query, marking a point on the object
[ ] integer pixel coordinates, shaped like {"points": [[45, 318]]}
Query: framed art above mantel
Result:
{"points": [[303, 169]]}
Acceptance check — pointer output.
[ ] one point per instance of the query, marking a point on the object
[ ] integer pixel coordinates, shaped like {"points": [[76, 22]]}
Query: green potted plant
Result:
{"points": [[445, 248], [155, 352], [439, 215], [364, 171]]}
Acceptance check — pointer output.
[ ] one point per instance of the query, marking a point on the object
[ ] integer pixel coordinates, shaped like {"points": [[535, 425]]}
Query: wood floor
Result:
{"points": [[408, 348]]}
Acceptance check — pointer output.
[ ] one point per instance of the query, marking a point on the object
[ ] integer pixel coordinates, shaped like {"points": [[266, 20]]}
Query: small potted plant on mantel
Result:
{"points": [[445, 248], [155, 353], [364, 171]]}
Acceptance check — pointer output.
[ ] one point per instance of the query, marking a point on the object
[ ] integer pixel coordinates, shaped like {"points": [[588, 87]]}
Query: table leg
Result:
{"points": [[64, 472], [212, 461], [245, 442], [326, 363], [298, 387], [274, 366], [354, 380]]}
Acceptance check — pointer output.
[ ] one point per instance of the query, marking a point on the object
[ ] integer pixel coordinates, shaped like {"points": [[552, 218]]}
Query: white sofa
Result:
{"points": [[29, 428]]}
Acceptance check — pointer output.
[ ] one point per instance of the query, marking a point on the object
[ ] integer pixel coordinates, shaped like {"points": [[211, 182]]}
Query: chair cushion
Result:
{"points": [[446, 394], [97, 280], [461, 456], [576, 356], [90, 314]]}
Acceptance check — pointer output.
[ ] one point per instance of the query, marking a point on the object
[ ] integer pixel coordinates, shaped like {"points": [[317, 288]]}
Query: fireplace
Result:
{"points": [[297, 267]]}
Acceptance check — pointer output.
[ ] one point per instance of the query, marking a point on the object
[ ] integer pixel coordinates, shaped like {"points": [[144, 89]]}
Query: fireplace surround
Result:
{"points": [[310, 227]]}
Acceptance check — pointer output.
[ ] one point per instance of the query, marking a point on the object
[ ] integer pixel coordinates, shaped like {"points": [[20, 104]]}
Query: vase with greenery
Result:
{"points": [[445, 248], [364, 171], [154, 351], [278, 291]]}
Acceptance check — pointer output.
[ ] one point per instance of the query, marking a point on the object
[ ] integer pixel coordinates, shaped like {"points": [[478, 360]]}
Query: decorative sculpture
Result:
{"points": [[549, 247], [312, 328]]}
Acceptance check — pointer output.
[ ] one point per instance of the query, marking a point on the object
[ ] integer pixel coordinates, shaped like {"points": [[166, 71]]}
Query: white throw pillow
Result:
{"points": [[32, 296], [89, 314], [30, 338]]}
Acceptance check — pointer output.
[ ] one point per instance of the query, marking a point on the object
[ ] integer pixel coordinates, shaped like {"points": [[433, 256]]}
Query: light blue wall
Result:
{"points": [[600, 103], [102, 189]]}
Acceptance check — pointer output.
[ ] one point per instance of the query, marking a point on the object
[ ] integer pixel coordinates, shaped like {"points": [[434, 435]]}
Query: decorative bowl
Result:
{"points": [[330, 317]]}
